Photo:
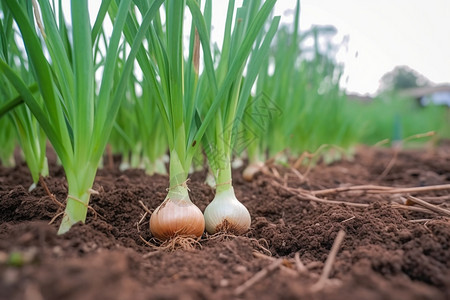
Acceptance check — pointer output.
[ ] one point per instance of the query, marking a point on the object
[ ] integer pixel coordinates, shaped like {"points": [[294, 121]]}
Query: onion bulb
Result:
{"points": [[251, 170], [226, 213], [177, 216]]}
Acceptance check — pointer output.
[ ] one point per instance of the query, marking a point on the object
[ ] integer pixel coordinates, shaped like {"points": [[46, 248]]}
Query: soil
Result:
{"points": [[385, 254]]}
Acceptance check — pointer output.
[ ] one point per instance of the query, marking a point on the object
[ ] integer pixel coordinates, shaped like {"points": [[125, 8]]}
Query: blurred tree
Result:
{"points": [[402, 77]]}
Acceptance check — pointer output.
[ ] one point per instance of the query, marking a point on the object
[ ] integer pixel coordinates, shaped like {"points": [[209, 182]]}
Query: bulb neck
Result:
{"points": [[223, 180], [177, 172], [179, 193], [178, 190], [225, 195]]}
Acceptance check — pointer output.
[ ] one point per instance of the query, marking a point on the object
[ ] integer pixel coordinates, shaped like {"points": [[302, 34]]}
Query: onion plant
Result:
{"points": [[323, 105], [151, 131], [276, 92], [395, 117], [29, 134], [225, 212], [125, 136], [187, 98], [302, 105], [8, 142], [76, 115], [138, 133], [32, 141]]}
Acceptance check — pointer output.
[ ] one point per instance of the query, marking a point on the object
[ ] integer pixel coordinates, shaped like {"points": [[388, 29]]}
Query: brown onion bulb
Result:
{"points": [[177, 218]]}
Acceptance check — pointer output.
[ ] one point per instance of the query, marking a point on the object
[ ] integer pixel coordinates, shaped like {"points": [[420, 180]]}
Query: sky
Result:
{"points": [[381, 34]]}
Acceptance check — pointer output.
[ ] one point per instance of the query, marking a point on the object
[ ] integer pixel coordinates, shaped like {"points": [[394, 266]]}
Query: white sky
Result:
{"points": [[384, 34]]}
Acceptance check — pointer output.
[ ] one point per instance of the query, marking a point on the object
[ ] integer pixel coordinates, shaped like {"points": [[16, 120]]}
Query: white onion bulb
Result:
{"points": [[226, 213], [251, 170]]}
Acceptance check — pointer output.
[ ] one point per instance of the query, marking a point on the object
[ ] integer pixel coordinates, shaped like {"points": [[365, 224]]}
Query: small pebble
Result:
{"points": [[224, 283], [240, 269]]}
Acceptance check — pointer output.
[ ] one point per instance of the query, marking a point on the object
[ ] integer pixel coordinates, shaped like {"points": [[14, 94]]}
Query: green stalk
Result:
{"points": [[225, 212], [174, 104], [228, 118], [76, 118], [177, 173], [30, 136], [223, 179], [8, 142], [79, 183]]}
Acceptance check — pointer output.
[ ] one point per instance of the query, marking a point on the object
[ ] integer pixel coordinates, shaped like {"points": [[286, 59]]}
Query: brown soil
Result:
{"points": [[383, 256]]}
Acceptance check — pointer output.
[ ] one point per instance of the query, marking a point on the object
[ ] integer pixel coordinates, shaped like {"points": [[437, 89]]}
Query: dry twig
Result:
{"points": [[436, 199], [309, 197], [437, 209], [140, 221], [391, 164], [381, 143], [375, 189], [301, 268], [397, 149], [349, 219], [257, 277], [314, 265], [276, 173], [150, 254], [47, 191], [55, 217], [412, 208], [371, 189], [419, 220], [320, 284], [309, 155], [145, 207], [270, 258], [298, 174], [316, 199], [419, 136], [147, 212], [54, 200]]}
